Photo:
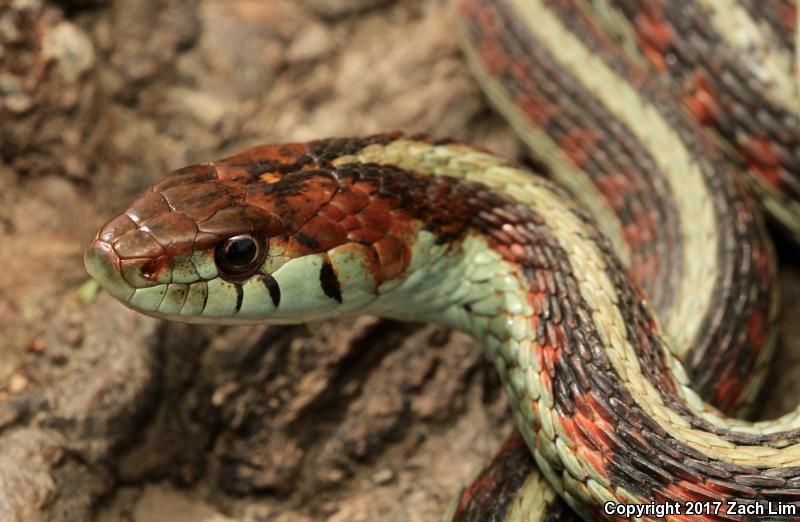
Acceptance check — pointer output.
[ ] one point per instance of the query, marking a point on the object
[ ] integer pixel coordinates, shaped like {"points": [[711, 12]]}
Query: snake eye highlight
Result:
{"points": [[240, 256]]}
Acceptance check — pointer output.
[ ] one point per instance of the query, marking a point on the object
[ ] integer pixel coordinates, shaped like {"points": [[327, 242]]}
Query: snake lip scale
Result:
{"points": [[628, 303]]}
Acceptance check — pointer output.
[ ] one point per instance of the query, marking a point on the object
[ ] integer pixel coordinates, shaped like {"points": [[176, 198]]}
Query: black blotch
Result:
{"points": [[307, 241], [330, 283], [467, 307], [239, 296], [274, 289], [256, 168]]}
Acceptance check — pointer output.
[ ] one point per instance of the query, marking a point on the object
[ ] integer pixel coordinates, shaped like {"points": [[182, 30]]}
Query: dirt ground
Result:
{"points": [[107, 415]]}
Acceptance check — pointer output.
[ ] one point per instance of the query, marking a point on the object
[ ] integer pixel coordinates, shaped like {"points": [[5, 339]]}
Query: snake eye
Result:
{"points": [[239, 257]]}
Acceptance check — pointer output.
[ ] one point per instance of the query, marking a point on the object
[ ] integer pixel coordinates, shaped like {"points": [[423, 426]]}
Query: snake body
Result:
{"points": [[601, 379]]}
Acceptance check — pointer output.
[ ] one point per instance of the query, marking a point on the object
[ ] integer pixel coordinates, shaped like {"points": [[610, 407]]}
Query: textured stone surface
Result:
{"points": [[109, 414]]}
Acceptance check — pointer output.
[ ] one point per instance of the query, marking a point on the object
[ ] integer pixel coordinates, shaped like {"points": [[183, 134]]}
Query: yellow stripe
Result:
{"points": [[797, 50], [598, 291], [545, 149], [684, 176], [532, 501], [768, 62]]}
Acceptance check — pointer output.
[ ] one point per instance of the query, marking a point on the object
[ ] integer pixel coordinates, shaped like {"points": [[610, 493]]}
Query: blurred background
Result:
{"points": [[107, 415]]}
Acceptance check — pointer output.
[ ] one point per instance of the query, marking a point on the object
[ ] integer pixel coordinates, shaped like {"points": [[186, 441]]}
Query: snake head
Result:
{"points": [[275, 234], [189, 247]]}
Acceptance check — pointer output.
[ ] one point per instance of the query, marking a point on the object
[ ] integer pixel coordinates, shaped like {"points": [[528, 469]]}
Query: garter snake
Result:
{"points": [[603, 311]]}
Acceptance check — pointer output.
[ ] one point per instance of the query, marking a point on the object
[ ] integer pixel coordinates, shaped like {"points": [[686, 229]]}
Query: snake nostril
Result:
{"points": [[152, 269]]}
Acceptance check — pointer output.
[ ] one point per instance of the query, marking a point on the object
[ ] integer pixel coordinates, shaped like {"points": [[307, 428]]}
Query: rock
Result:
{"points": [[202, 105], [71, 49], [336, 8], [18, 103], [383, 477], [310, 44]]}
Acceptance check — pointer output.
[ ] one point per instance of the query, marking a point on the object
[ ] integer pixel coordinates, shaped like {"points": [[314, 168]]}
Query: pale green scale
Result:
{"points": [[595, 474], [524, 353], [430, 268], [414, 280], [532, 500], [598, 486], [529, 416], [520, 327], [456, 316], [545, 416], [480, 326], [569, 487], [256, 301], [505, 282], [183, 270], [491, 343], [515, 304], [482, 272], [174, 298], [508, 351], [532, 376], [195, 299], [463, 291], [517, 379], [568, 458], [424, 297], [389, 286], [204, 265], [424, 250], [546, 397], [513, 400], [148, 298], [546, 448], [355, 301], [522, 419], [447, 286], [222, 298], [500, 327], [500, 364], [307, 299], [562, 434], [544, 466], [493, 304]]}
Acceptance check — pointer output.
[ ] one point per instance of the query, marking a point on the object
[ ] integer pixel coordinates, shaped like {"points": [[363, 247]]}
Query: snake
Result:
{"points": [[623, 282]]}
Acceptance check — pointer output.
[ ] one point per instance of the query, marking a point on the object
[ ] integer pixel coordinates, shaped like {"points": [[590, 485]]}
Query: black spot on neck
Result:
{"points": [[274, 289], [330, 282]]}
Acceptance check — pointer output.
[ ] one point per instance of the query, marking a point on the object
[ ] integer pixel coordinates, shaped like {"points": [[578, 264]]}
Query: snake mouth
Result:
{"points": [[103, 265]]}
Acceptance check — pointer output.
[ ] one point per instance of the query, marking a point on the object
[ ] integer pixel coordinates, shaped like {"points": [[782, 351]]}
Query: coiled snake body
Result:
{"points": [[554, 285]]}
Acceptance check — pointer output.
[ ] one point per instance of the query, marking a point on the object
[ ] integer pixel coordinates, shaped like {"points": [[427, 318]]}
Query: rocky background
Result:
{"points": [[107, 415]]}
